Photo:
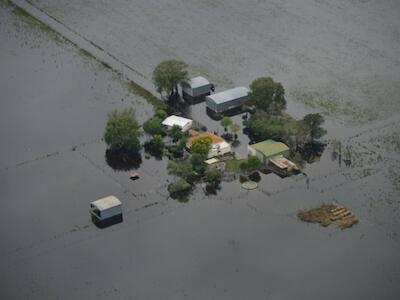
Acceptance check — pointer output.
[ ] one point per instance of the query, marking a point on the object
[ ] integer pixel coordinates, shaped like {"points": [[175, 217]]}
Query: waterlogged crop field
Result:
{"points": [[339, 57], [236, 244]]}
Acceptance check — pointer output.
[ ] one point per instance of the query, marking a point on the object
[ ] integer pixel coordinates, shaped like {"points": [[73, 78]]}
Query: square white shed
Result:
{"points": [[184, 123], [106, 208]]}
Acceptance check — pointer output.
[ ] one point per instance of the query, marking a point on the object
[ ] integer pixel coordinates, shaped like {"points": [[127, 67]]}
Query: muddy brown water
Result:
{"points": [[234, 245]]}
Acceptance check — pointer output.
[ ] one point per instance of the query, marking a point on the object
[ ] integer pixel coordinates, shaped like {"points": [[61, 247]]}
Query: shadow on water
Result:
{"points": [[122, 161], [312, 152], [107, 222]]}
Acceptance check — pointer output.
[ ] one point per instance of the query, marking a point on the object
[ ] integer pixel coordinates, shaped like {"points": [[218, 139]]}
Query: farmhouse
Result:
{"points": [[219, 146], [196, 88], [268, 150], [227, 100], [183, 123]]}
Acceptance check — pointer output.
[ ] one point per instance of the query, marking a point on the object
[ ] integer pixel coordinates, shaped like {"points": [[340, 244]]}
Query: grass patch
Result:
{"points": [[327, 213], [320, 214], [149, 97], [233, 165]]}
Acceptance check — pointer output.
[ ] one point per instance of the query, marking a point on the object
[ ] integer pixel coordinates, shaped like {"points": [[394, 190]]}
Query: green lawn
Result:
{"points": [[233, 165]]}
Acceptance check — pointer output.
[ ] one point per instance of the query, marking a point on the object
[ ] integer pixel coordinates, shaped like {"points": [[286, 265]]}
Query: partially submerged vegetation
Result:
{"points": [[327, 213]]}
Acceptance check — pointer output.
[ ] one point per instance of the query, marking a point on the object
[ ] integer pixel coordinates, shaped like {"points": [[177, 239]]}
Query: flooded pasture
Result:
{"points": [[236, 244]]}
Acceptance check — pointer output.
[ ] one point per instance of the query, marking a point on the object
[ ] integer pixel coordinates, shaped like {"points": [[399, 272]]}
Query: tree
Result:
{"points": [[153, 126], [226, 122], [197, 161], [251, 163], [212, 175], [267, 95], [175, 133], [201, 146], [179, 189], [156, 146], [265, 126], [314, 122], [122, 131], [168, 75], [235, 128], [161, 114], [182, 168]]}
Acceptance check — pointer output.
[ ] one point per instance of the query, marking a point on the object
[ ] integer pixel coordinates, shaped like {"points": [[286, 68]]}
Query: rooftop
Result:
{"points": [[198, 82], [229, 95], [215, 139], [270, 147], [106, 203], [175, 120]]}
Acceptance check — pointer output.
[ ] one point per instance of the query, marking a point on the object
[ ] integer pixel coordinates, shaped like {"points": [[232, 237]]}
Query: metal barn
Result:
{"points": [[227, 100], [196, 87]]}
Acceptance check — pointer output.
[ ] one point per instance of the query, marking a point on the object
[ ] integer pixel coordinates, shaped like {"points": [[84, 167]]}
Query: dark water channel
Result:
{"points": [[236, 244]]}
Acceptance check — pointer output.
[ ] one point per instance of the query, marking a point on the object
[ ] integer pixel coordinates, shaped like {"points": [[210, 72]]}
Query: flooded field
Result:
{"points": [[339, 56], [237, 244]]}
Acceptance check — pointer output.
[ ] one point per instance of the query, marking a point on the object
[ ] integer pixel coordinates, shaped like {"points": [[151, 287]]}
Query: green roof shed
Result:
{"points": [[268, 149]]}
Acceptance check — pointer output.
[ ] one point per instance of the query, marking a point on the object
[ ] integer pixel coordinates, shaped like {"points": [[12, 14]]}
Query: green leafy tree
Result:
{"points": [[153, 126], [234, 128], [266, 126], [201, 146], [181, 168], [226, 122], [251, 163], [314, 122], [197, 162], [161, 114], [180, 189], [212, 175], [168, 75], [268, 95], [122, 131], [158, 143], [175, 133]]}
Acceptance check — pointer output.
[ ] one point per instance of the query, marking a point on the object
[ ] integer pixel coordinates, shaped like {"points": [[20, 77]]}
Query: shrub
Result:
{"points": [[122, 131]]}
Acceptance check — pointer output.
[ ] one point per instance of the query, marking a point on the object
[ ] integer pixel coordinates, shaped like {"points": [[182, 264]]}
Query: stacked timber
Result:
{"points": [[345, 217]]}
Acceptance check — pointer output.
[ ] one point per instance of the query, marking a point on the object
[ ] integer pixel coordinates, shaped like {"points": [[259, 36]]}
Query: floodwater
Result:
{"points": [[234, 245]]}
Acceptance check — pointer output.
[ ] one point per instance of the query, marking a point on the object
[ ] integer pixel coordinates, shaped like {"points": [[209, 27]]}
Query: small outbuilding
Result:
{"points": [[268, 149], [196, 88], [183, 123], [106, 208], [227, 100]]}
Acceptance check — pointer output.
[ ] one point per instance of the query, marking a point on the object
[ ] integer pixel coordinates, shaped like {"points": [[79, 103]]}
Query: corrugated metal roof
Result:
{"points": [[106, 203], [229, 95], [270, 147], [175, 120], [198, 82]]}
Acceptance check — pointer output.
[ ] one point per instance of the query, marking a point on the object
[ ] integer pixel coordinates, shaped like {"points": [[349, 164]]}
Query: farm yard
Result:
{"points": [[335, 57]]}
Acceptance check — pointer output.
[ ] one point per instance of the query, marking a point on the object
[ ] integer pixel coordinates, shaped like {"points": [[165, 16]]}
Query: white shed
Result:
{"points": [[196, 87], [183, 123], [106, 208]]}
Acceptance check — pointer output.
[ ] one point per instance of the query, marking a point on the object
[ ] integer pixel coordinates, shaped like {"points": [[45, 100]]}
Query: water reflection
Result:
{"points": [[122, 161]]}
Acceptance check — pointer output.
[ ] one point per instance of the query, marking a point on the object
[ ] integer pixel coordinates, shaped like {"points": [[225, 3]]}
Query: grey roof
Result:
{"points": [[106, 203], [198, 82], [228, 95]]}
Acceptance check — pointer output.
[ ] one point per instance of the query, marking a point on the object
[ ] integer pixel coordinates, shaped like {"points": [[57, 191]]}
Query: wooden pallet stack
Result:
{"points": [[345, 217]]}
